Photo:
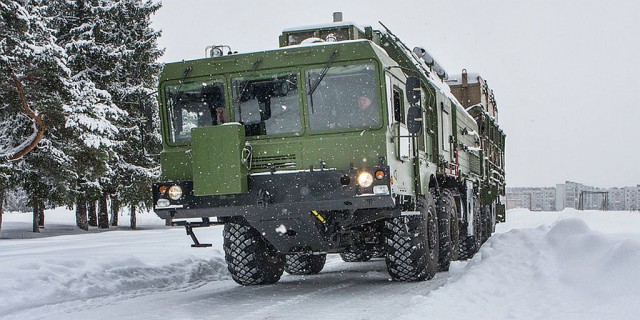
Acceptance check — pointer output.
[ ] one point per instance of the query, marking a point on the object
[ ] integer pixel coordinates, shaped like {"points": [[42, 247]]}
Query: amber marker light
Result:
{"points": [[379, 174], [162, 189]]}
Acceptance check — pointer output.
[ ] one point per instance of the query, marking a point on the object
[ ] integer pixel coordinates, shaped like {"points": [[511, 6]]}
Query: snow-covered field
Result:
{"points": [[538, 265]]}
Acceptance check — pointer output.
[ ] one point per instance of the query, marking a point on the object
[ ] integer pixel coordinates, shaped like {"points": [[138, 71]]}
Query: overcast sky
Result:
{"points": [[566, 74]]}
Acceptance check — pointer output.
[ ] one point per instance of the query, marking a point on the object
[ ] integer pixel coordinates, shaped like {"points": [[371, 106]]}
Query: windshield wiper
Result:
{"points": [[178, 95], [323, 73]]}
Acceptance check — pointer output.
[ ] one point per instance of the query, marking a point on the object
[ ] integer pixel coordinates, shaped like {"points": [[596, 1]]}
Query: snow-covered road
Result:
{"points": [[569, 265]]}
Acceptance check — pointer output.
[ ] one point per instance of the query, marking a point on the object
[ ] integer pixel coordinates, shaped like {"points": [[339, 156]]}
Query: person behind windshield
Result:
{"points": [[219, 115], [367, 113]]}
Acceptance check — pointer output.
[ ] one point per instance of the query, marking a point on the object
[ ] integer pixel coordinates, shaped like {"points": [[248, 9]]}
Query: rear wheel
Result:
{"points": [[470, 244], [350, 256], [449, 230], [251, 260], [302, 263], [412, 243], [488, 223]]}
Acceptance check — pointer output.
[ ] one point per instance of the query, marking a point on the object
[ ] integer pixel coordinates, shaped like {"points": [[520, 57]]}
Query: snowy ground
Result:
{"points": [[567, 265]]}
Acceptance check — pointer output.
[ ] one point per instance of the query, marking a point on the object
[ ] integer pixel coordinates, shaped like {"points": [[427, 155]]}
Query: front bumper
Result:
{"points": [[284, 206], [282, 193]]}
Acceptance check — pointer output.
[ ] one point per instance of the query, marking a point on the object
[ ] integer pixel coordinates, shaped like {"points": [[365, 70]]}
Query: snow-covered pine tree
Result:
{"points": [[111, 44], [84, 31], [28, 50], [132, 84], [105, 52]]}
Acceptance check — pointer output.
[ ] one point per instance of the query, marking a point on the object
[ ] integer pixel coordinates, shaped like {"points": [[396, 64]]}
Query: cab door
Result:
{"points": [[401, 149]]}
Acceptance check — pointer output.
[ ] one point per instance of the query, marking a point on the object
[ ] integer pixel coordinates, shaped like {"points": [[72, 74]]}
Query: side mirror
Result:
{"points": [[413, 90], [414, 120]]}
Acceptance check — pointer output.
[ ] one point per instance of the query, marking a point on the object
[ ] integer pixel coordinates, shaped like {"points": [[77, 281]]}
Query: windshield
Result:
{"points": [[192, 105], [346, 98], [267, 105]]}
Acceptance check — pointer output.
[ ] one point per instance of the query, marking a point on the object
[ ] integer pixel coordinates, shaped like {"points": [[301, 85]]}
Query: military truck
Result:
{"points": [[343, 140]]}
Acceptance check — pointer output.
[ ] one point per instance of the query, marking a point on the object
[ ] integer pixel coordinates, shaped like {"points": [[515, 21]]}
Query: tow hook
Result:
{"points": [[264, 198]]}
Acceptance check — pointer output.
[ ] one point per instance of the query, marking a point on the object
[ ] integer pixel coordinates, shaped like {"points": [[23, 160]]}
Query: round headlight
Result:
{"points": [[365, 179], [175, 192]]}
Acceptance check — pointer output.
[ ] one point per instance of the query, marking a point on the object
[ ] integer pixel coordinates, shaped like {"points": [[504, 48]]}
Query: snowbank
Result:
{"points": [[562, 269], [99, 264]]}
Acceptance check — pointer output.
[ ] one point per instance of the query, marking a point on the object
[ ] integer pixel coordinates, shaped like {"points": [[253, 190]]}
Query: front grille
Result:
{"points": [[260, 163]]}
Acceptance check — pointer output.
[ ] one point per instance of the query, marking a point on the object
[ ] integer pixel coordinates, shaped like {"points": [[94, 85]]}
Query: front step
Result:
{"points": [[189, 225]]}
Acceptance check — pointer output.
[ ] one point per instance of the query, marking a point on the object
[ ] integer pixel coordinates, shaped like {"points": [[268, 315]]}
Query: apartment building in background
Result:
{"points": [[574, 195]]}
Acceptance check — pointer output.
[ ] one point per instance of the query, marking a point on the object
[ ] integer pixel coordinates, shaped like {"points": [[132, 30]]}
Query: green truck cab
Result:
{"points": [[336, 142]]}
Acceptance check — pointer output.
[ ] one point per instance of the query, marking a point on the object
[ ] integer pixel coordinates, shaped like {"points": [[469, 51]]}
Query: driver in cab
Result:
{"points": [[367, 114]]}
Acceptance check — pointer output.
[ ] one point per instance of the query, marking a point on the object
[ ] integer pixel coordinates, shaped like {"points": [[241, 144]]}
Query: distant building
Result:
{"points": [[632, 198], [617, 199], [534, 199], [572, 195]]}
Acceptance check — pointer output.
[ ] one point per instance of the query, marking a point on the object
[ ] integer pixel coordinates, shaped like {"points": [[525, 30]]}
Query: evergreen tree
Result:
{"points": [[111, 45], [133, 85], [92, 114], [89, 67], [29, 51]]}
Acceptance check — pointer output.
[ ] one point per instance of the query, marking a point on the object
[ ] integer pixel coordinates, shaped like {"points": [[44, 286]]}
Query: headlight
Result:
{"points": [[365, 179], [175, 192]]}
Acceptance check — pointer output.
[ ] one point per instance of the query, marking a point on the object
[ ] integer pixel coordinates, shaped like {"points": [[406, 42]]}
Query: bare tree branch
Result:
{"points": [[37, 119]]}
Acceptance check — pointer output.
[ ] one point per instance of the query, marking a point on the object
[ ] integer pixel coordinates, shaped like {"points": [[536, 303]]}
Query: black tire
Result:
{"points": [[251, 260], [491, 221], [470, 244], [412, 244], [302, 263], [350, 256], [449, 230], [486, 223]]}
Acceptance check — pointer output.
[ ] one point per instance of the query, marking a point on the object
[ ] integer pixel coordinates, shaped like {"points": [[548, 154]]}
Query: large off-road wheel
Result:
{"points": [[470, 244], [302, 263], [350, 256], [486, 223], [449, 230], [251, 260], [412, 244]]}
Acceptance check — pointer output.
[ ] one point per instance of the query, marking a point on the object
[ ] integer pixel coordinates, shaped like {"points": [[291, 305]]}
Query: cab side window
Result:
{"points": [[398, 105]]}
